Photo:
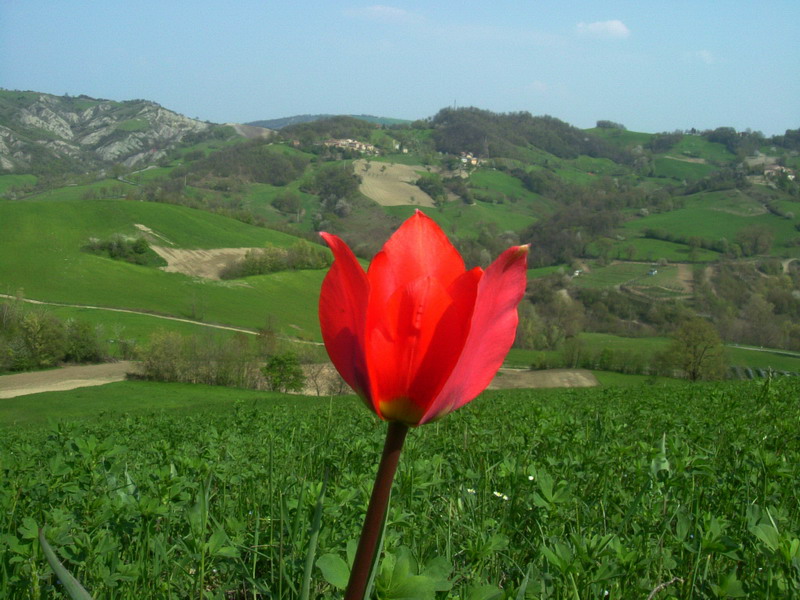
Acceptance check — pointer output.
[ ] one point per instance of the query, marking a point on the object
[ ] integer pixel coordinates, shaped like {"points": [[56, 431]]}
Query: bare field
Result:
{"points": [[391, 185], [508, 379], [199, 263], [65, 378]]}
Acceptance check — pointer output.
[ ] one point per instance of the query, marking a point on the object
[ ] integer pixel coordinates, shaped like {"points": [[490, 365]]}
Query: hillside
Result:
{"points": [[42, 133]]}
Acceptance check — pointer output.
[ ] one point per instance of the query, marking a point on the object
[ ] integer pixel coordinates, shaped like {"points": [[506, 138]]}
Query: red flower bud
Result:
{"points": [[418, 336]]}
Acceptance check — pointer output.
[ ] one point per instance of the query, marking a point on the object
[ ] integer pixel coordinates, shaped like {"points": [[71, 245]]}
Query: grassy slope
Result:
{"points": [[717, 215], [8, 181], [40, 254]]}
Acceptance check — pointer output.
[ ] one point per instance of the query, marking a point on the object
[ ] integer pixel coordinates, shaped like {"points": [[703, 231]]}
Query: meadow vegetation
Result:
{"points": [[192, 491]]}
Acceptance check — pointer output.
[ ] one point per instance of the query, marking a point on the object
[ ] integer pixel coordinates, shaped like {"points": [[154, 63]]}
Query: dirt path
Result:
{"points": [[66, 378], [135, 312]]}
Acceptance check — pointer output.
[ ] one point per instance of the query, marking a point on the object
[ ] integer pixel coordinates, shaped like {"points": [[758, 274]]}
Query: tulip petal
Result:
{"points": [[419, 248], [342, 315], [492, 331], [414, 341]]}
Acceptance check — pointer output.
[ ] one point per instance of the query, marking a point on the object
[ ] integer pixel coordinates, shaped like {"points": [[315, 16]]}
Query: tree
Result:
{"points": [[284, 373], [697, 350]]}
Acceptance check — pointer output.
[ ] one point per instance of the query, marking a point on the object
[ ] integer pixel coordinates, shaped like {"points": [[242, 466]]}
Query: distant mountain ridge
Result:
{"points": [[42, 132], [297, 119]]}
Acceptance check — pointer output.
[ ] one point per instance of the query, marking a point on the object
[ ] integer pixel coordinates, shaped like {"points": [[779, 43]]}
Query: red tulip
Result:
{"points": [[417, 336]]}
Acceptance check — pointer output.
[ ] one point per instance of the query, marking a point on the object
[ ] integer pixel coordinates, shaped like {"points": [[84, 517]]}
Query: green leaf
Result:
{"points": [[767, 534], [29, 530], [334, 570], [730, 587], [485, 592], [71, 585]]}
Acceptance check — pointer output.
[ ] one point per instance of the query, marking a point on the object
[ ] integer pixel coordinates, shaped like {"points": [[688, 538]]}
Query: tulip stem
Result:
{"points": [[376, 511]]}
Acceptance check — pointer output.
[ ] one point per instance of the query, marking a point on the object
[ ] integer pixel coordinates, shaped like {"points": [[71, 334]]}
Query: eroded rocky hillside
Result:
{"points": [[41, 132]]}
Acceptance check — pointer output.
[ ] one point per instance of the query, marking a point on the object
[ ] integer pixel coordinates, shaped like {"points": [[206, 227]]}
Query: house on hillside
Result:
{"points": [[777, 170], [468, 159], [349, 144]]}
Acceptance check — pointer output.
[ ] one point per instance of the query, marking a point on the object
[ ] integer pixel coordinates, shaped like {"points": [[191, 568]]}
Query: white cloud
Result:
{"points": [[613, 29], [385, 14]]}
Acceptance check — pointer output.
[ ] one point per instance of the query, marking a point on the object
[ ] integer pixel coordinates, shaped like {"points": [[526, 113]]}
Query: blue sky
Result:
{"points": [[653, 65]]}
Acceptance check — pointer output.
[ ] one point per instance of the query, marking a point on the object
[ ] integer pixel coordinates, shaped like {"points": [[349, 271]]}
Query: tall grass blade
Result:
{"points": [[316, 524]]}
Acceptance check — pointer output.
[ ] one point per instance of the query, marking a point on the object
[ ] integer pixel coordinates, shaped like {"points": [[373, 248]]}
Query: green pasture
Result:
{"points": [[621, 137], [40, 256], [650, 250], [735, 202], [626, 272], [9, 181], [545, 271], [259, 199], [465, 221], [695, 146], [680, 169], [499, 184], [116, 325], [599, 166], [163, 490], [699, 218]]}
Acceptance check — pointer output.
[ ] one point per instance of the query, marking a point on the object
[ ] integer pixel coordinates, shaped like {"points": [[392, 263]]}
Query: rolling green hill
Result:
{"points": [[606, 200], [41, 257]]}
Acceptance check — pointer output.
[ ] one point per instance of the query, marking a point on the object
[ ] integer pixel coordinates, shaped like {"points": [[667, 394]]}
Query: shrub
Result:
{"points": [[283, 373]]}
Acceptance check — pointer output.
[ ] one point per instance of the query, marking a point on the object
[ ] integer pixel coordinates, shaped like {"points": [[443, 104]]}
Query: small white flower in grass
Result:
{"points": [[505, 497], [530, 478], [470, 491], [498, 494]]}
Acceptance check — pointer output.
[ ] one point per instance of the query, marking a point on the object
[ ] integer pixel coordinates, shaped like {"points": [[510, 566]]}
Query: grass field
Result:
{"points": [[456, 218], [650, 250], [695, 146], [700, 218], [40, 255], [194, 492], [626, 272], [621, 137], [9, 181], [680, 169]]}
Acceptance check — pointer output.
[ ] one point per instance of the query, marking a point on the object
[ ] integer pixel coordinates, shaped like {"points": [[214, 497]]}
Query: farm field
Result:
{"points": [[162, 490]]}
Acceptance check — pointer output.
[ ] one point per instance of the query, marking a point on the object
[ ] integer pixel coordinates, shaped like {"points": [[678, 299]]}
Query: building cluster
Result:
{"points": [[349, 144], [468, 159], [777, 170]]}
